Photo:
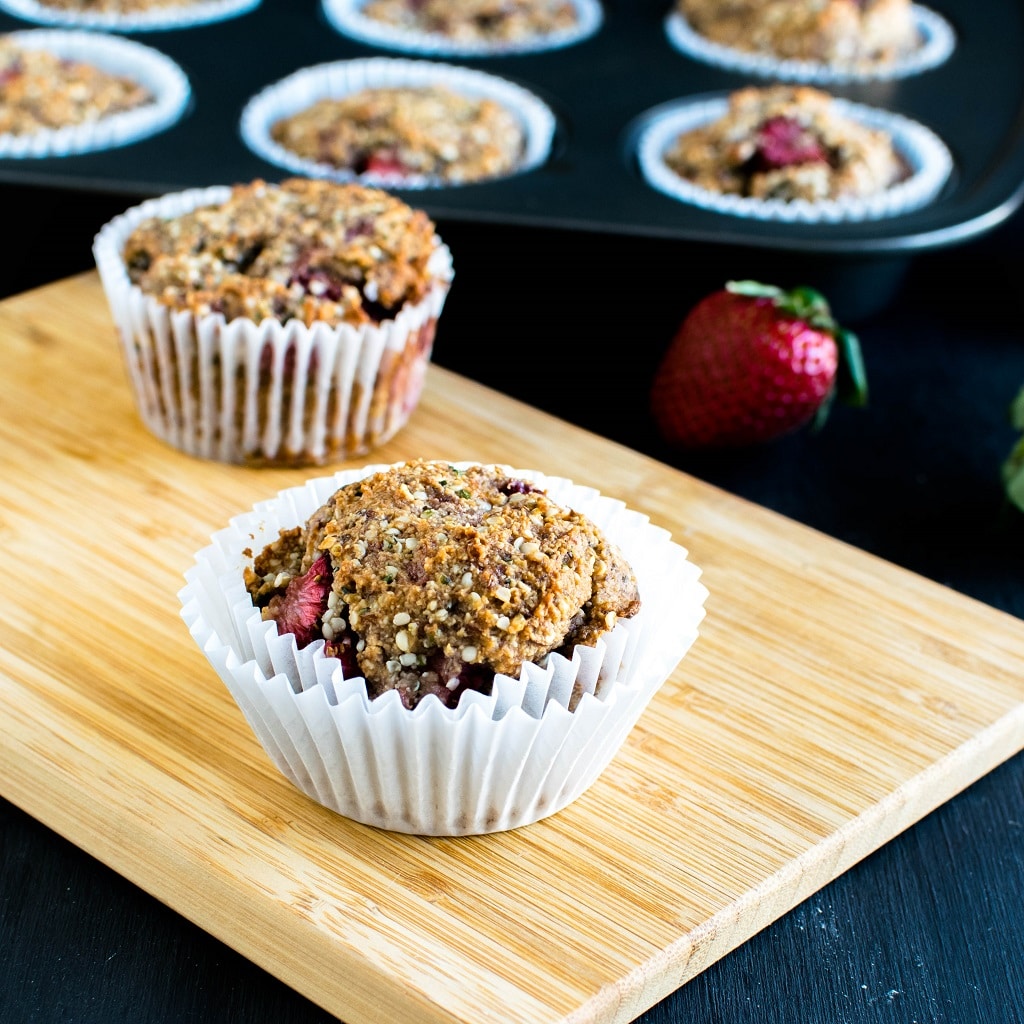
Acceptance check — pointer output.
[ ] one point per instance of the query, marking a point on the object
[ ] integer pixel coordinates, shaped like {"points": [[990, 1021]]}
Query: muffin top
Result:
{"points": [[786, 143], [407, 130], [41, 90], [428, 578], [474, 21], [115, 6], [839, 33], [315, 251]]}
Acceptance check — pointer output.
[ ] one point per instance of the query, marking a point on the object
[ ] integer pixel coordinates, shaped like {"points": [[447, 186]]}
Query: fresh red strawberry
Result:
{"points": [[299, 609], [752, 362]]}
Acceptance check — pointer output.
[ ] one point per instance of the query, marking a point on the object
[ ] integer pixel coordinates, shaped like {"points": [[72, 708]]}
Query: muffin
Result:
{"points": [[786, 143], [399, 123], [73, 92], [549, 614], [430, 579], [466, 27], [821, 41], [793, 152], [476, 20], [402, 131], [127, 15], [40, 90], [833, 32], [275, 324]]}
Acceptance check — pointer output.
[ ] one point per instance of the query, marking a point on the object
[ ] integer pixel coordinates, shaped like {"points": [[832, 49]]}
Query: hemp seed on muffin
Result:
{"points": [[315, 251], [429, 130], [425, 578], [786, 143], [40, 89], [853, 34], [476, 20]]}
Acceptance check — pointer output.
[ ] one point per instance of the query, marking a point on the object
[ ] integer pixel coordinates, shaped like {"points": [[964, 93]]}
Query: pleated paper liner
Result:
{"points": [[493, 762]]}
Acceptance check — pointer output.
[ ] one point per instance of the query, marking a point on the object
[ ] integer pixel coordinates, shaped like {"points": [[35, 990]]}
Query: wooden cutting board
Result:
{"points": [[831, 700]]}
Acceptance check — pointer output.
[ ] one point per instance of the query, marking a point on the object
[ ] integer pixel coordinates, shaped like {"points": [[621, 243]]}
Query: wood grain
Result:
{"points": [[831, 700]]}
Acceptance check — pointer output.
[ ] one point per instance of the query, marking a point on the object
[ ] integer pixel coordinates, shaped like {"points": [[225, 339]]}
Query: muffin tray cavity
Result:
{"points": [[603, 90]]}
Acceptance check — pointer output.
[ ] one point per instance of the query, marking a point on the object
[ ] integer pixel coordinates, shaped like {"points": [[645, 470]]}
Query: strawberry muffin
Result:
{"points": [[839, 33], [466, 28], [40, 89], [127, 15], [506, 21], [396, 122], [442, 648], [426, 131], [791, 153], [303, 316], [787, 143], [64, 92], [428, 578]]}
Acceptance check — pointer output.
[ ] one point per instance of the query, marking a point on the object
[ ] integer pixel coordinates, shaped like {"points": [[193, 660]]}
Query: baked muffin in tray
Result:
{"points": [[466, 28], [275, 324], [402, 131], [557, 611], [399, 123], [127, 15], [63, 93], [819, 41], [791, 152]]}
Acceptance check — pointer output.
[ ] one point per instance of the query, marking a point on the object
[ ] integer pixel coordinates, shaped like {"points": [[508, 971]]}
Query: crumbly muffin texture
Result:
{"points": [[428, 578], [472, 21], [406, 130], [850, 34], [315, 251], [115, 6], [787, 143], [40, 90]]}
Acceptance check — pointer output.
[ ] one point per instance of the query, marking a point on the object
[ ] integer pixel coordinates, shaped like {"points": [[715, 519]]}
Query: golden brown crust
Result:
{"points": [[476, 20], [308, 250], [726, 156], [839, 33], [115, 6], [407, 130], [449, 575], [41, 90]]}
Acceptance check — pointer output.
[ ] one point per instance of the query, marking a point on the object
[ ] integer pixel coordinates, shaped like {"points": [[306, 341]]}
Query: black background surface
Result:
{"points": [[930, 928]]}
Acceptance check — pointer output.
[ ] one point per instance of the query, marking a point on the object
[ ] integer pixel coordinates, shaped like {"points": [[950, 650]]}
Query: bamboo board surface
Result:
{"points": [[830, 701]]}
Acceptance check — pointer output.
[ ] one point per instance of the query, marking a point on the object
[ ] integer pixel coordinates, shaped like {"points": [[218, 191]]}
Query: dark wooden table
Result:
{"points": [[930, 928]]}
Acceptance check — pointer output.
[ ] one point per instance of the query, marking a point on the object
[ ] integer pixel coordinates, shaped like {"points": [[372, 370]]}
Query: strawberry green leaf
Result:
{"points": [[1013, 475], [1017, 410], [852, 378], [1013, 467]]}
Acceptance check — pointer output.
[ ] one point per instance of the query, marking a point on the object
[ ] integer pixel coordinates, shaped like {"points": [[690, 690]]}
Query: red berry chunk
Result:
{"points": [[384, 162], [300, 608], [783, 142]]}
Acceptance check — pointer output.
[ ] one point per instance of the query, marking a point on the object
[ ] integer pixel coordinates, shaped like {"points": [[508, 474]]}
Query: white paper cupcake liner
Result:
{"points": [[927, 156], [347, 17], [271, 393], [157, 19], [493, 762], [938, 41], [334, 80], [158, 73]]}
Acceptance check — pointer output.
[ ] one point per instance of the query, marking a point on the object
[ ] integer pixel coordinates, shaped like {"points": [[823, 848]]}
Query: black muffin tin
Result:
{"points": [[601, 90]]}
